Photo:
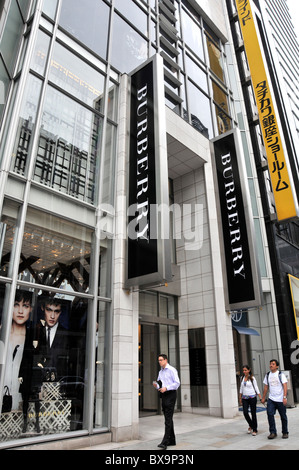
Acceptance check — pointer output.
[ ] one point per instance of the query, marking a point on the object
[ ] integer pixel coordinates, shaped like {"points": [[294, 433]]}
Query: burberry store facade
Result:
{"points": [[112, 112]]}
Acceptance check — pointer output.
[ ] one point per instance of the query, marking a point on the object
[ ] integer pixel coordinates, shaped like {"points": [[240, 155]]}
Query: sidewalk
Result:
{"points": [[199, 432]]}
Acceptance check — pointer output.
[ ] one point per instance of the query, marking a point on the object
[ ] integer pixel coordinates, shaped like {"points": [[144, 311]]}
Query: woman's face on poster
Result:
{"points": [[21, 311]]}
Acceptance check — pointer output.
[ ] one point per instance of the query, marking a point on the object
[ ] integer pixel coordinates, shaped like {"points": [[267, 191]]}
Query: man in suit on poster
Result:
{"points": [[56, 340]]}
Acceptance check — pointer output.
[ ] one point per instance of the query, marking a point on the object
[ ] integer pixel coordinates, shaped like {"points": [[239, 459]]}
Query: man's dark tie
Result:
{"points": [[48, 340]]}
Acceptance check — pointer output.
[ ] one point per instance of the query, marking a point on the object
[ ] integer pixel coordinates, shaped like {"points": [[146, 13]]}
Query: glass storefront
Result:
{"points": [[55, 327], [57, 166], [55, 272]]}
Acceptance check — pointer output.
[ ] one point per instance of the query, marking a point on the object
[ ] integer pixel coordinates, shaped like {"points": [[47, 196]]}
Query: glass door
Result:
{"points": [[148, 369]]}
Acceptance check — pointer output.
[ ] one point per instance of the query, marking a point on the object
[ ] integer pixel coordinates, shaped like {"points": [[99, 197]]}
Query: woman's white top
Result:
{"points": [[249, 388]]}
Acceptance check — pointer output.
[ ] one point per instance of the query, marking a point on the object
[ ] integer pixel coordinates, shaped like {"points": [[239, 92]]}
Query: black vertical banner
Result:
{"points": [[237, 248], [142, 256]]}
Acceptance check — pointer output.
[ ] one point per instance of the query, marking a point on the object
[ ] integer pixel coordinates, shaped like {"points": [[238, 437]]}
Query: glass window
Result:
{"points": [[50, 7], [222, 110], [11, 36], [69, 147], [75, 76], [169, 345], [200, 110], [87, 21], [112, 102], [56, 252], [26, 125], [196, 74], [102, 366], [128, 48], [133, 13], [215, 59], [24, 5], [4, 83], [192, 35], [45, 368], [167, 307], [108, 165], [148, 304], [260, 247], [40, 54], [8, 230]]}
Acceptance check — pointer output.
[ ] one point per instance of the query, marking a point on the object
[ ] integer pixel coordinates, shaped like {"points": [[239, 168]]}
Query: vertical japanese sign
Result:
{"points": [[148, 249], [277, 161]]}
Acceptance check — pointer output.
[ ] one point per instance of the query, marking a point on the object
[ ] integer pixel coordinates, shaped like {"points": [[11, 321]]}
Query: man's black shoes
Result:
{"points": [[162, 446]]}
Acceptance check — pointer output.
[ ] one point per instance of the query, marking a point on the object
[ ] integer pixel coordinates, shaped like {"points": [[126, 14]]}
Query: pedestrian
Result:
{"points": [[276, 383], [167, 383], [248, 398]]}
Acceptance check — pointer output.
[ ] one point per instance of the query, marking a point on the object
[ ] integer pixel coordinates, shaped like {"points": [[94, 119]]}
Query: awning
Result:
{"points": [[246, 331]]}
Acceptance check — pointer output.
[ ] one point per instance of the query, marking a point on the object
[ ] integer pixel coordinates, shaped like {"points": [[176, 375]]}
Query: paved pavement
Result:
{"points": [[200, 432]]}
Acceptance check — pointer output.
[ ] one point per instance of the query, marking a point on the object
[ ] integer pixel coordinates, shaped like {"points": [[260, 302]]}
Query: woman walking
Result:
{"points": [[248, 398]]}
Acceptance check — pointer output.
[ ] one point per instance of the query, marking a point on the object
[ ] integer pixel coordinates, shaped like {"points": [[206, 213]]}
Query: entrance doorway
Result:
{"points": [[158, 334], [148, 369]]}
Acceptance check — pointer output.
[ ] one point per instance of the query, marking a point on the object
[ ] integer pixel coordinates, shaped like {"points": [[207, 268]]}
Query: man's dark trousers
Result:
{"points": [[168, 404]]}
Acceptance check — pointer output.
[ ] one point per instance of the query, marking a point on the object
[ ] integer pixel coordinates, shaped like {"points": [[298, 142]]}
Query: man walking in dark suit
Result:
{"points": [[169, 382]]}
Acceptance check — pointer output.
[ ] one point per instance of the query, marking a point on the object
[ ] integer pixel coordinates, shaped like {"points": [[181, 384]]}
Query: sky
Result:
{"points": [[294, 11]]}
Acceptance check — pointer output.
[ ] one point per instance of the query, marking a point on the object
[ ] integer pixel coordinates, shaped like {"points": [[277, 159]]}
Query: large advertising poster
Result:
{"points": [[241, 270], [286, 205], [294, 286], [44, 385], [148, 259]]}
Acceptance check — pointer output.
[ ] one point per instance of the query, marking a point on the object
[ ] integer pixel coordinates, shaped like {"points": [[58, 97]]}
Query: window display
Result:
{"points": [[45, 367]]}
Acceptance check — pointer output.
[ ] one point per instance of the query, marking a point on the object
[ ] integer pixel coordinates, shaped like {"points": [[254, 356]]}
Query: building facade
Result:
{"points": [[279, 46], [67, 72]]}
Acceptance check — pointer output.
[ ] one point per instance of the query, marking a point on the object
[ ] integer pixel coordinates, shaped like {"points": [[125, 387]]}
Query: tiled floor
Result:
{"points": [[199, 432]]}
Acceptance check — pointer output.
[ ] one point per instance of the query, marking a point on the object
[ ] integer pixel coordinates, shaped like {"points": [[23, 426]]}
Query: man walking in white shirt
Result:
{"points": [[276, 382], [169, 383]]}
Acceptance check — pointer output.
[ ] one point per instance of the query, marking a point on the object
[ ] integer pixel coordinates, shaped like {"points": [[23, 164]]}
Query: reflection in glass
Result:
{"points": [[90, 29], [69, 147], [26, 125], [8, 231], [192, 35], [200, 111], [4, 83], [133, 13], [167, 307], [76, 77], [108, 166], [112, 102], [50, 7], [148, 304], [40, 54], [222, 110], [55, 252], [215, 59], [102, 364], [128, 49], [11, 36], [196, 74]]}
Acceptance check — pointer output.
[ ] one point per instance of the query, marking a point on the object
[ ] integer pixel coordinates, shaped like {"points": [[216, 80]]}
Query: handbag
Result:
{"points": [[7, 401]]}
